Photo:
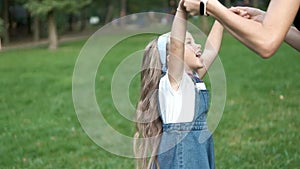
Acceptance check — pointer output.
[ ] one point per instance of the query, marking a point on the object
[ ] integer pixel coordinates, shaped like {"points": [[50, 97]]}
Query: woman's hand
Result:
{"points": [[249, 13]]}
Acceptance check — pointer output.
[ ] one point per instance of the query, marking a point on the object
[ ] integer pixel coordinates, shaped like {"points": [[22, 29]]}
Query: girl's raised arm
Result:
{"points": [[212, 47], [176, 47]]}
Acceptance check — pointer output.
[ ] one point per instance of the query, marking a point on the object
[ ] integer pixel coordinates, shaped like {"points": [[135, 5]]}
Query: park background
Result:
{"points": [[41, 41]]}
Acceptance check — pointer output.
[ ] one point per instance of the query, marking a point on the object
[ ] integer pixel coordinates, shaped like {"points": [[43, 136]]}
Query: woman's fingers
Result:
{"points": [[240, 12]]}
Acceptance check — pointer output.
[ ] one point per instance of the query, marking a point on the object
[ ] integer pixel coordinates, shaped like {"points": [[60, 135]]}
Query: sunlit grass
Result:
{"points": [[39, 127]]}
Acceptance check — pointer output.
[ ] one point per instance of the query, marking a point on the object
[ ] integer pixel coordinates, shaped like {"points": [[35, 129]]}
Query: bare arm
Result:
{"points": [[263, 38], [292, 37], [177, 40], [212, 47]]}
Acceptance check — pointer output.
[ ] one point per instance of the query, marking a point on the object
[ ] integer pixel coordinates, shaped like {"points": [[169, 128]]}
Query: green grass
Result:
{"points": [[39, 127], [259, 128]]}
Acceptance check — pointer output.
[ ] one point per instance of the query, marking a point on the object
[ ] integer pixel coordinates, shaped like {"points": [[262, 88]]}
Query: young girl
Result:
{"points": [[171, 112]]}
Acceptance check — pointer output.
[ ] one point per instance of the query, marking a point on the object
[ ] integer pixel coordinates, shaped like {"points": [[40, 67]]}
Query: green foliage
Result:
{"points": [[37, 7], [142, 6]]}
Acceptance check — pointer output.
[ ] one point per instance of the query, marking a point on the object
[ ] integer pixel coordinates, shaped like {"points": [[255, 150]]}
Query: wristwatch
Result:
{"points": [[202, 7]]}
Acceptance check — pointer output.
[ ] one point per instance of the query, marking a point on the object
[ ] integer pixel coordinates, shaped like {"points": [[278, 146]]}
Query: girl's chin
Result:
{"points": [[199, 67]]}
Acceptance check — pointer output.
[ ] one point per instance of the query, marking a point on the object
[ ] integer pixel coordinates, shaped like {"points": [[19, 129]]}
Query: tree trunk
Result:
{"points": [[83, 19], [110, 12], [123, 11], [36, 29], [70, 22], [6, 38], [29, 31], [123, 8], [52, 35], [172, 7]]}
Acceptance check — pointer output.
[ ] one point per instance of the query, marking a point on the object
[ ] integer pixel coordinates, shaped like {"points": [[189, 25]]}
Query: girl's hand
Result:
{"points": [[249, 12], [181, 6]]}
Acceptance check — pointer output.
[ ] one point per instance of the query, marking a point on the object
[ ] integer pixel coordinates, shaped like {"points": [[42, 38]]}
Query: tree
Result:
{"points": [[5, 22], [153, 5], [36, 28], [48, 8], [1, 27], [123, 10], [1, 31]]}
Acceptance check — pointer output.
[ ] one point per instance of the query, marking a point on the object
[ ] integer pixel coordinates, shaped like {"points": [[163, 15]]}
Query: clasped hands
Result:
{"points": [[192, 7]]}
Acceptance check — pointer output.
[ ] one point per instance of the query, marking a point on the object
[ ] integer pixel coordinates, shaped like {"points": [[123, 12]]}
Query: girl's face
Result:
{"points": [[192, 53]]}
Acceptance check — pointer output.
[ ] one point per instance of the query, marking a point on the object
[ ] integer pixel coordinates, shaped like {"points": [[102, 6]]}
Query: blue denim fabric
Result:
{"points": [[188, 145]]}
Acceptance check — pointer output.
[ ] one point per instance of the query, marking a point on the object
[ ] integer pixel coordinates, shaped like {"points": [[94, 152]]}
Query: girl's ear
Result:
{"points": [[168, 58]]}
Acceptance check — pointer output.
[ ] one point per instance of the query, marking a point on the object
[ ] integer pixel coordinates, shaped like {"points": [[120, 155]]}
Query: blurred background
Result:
{"points": [[40, 44]]}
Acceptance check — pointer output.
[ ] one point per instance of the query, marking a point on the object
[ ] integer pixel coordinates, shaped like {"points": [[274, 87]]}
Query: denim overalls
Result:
{"points": [[188, 145]]}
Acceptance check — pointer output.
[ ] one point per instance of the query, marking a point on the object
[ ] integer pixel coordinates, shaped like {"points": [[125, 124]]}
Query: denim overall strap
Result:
{"points": [[201, 101]]}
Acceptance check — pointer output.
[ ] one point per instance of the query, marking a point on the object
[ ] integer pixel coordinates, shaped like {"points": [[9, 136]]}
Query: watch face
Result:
{"points": [[202, 8]]}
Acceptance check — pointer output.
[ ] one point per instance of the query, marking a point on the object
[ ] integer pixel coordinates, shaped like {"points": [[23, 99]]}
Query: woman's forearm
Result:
{"points": [[263, 38], [293, 38], [293, 35]]}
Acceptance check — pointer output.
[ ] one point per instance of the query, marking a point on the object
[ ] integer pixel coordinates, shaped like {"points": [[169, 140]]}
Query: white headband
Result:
{"points": [[162, 48]]}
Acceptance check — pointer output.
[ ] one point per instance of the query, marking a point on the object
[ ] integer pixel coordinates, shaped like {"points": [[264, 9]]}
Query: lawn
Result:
{"points": [[39, 127]]}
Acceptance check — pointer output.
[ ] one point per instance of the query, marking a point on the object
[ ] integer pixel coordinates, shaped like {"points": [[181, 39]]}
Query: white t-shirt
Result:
{"points": [[177, 106]]}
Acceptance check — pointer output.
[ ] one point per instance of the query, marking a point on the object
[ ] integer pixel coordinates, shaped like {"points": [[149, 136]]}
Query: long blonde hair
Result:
{"points": [[148, 121]]}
